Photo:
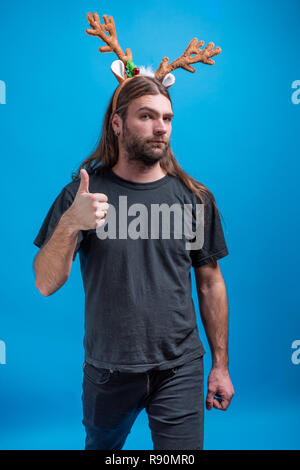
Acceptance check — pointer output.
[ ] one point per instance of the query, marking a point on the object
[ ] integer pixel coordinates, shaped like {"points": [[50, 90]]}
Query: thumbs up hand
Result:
{"points": [[88, 210]]}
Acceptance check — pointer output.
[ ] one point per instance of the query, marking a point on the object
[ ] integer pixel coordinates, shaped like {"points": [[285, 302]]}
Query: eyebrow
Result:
{"points": [[146, 108]]}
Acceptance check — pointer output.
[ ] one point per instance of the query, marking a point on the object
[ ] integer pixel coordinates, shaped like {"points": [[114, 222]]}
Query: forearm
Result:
{"points": [[53, 263], [214, 313]]}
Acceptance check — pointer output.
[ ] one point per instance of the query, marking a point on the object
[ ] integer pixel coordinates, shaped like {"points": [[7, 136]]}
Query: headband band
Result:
{"points": [[117, 92]]}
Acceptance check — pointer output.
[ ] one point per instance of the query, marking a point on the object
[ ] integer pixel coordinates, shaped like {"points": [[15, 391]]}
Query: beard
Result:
{"points": [[141, 150]]}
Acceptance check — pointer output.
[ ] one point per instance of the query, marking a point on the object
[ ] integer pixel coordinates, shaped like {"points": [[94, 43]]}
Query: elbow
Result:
{"points": [[42, 289], [211, 287], [46, 292]]}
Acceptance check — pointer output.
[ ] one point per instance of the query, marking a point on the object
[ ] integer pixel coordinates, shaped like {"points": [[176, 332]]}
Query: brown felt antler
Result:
{"points": [[186, 58], [111, 40]]}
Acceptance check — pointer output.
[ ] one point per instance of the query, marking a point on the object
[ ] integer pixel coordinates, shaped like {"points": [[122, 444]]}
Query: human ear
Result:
{"points": [[116, 123]]}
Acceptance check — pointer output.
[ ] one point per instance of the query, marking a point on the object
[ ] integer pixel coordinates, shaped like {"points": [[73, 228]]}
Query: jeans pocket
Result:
{"points": [[96, 375]]}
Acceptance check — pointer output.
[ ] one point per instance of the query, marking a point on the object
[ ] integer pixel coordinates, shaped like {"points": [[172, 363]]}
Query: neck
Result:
{"points": [[131, 171]]}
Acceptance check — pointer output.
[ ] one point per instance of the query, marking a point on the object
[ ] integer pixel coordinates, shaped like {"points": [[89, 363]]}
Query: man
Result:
{"points": [[142, 345]]}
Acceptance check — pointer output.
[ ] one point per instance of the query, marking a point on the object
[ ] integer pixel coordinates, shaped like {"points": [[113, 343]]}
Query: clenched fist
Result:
{"points": [[88, 210]]}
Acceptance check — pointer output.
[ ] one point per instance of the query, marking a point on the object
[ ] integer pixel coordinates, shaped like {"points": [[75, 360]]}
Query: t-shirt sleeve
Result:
{"points": [[59, 206], [214, 245]]}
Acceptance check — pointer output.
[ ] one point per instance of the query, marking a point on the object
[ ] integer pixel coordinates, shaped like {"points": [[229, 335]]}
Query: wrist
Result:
{"points": [[220, 361], [68, 222], [220, 366]]}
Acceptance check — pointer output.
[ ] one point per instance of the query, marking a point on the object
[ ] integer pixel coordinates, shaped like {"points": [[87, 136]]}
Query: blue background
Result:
{"points": [[235, 129]]}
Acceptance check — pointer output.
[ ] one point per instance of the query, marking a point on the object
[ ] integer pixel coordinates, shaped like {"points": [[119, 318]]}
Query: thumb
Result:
{"points": [[84, 182]]}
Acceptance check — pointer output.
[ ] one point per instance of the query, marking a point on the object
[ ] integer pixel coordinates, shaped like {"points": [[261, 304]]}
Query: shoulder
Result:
{"points": [[195, 190]]}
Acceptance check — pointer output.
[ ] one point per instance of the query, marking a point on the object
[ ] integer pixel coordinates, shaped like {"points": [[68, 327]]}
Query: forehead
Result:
{"points": [[159, 103]]}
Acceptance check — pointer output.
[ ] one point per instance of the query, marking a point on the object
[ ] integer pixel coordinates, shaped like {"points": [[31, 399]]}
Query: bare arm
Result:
{"points": [[214, 314], [214, 310], [52, 264]]}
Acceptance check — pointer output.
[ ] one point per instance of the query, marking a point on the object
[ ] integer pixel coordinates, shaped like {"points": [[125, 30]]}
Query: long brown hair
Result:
{"points": [[106, 153]]}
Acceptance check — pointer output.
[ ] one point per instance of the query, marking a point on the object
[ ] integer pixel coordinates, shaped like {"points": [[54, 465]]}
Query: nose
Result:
{"points": [[159, 127]]}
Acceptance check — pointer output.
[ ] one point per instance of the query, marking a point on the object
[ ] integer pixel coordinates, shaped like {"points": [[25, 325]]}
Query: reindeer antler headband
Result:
{"points": [[125, 60]]}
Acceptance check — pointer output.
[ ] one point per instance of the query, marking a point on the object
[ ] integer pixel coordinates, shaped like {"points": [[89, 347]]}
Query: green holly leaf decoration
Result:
{"points": [[130, 66]]}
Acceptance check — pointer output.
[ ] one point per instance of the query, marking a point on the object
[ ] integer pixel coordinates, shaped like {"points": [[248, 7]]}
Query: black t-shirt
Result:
{"points": [[139, 311]]}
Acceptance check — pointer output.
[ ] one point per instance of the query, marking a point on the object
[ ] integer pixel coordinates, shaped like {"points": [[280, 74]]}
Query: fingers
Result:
{"points": [[100, 217], [99, 197], [218, 403], [220, 389], [221, 404], [210, 400], [101, 214], [101, 206], [99, 223]]}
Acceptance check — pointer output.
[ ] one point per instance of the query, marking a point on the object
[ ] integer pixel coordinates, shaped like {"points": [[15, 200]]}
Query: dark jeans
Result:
{"points": [[173, 399]]}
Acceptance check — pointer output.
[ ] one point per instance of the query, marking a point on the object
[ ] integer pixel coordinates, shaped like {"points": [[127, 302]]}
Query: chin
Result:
{"points": [[150, 161]]}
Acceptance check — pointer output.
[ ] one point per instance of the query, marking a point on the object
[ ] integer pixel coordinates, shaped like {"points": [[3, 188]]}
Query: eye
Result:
{"points": [[144, 115], [168, 119]]}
